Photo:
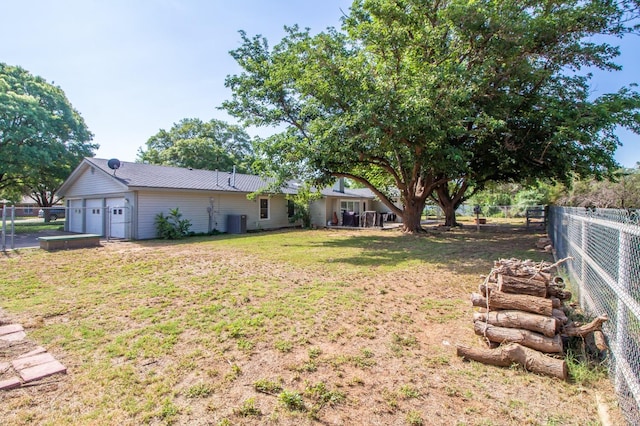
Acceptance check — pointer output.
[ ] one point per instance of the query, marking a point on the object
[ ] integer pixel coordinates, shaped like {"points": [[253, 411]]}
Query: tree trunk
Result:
{"points": [[524, 337], [449, 199], [518, 319], [506, 355], [412, 216], [449, 214]]}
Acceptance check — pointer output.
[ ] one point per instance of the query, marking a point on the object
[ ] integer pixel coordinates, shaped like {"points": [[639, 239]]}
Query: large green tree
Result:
{"points": [[42, 137], [201, 145], [437, 97]]}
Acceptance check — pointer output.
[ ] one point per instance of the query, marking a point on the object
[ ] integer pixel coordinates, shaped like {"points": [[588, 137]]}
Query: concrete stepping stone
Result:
{"points": [[10, 383], [12, 332], [13, 337], [41, 371], [10, 328], [31, 366], [22, 363], [36, 351], [38, 366]]}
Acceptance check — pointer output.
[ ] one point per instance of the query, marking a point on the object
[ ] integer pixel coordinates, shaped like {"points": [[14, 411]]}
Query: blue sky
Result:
{"points": [[133, 67]]}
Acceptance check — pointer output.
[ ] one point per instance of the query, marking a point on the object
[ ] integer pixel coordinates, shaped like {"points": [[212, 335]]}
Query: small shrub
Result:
{"points": [[172, 226]]}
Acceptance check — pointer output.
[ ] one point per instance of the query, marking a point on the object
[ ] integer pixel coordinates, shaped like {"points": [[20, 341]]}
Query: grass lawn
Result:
{"points": [[34, 225], [286, 328]]}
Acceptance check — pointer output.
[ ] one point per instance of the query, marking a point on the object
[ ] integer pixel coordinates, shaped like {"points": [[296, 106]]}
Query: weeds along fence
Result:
{"points": [[605, 272]]}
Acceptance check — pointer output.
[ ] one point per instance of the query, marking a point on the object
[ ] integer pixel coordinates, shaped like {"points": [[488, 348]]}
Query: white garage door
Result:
{"points": [[93, 216], [75, 216], [117, 217]]}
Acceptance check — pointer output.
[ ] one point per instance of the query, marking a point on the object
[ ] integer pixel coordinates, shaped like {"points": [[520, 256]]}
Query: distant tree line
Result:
{"points": [[621, 191]]}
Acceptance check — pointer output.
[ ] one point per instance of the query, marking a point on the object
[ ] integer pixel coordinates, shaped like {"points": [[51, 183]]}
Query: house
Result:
{"points": [[24, 208], [121, 200], [342, 201]]}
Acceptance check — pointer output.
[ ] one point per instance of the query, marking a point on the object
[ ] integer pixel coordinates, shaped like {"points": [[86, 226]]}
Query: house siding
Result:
{"points": [[319, 212], [92, 182], [194, 205]]}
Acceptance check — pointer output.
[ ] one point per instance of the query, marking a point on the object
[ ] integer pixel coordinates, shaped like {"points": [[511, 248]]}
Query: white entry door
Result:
{"points": [[94, 215], [75, 216], [117, 217]]}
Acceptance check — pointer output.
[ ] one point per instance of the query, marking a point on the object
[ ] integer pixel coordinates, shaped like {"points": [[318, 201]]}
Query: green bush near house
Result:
{"points": [[172, 226]]}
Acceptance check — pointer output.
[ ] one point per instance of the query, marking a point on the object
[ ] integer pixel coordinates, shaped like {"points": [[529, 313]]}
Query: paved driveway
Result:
{"points": [[28, 240]]}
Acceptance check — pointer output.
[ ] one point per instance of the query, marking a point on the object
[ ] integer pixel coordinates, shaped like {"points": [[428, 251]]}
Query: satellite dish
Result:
{"points": [[114, 164]]}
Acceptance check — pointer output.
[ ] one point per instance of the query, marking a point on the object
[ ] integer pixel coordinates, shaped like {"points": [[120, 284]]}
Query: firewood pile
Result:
{"points": [[522, 318]]}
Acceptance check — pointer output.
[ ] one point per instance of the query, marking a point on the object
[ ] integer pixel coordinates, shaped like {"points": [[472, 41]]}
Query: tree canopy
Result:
{"points": [[436, 97], [42, 137], [194, 143]]}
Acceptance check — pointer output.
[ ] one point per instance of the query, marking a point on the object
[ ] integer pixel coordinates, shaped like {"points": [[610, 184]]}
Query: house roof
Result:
{"points": [[25, 200], [140, 175], [348, 193]]}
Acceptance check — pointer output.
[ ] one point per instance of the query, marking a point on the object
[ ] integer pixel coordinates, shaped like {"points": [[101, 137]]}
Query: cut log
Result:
{"points": [[520, 302], [555, 302], [557, 282], [526, 338], [512, 353], [523, 268], [522, 285], [478, 300], [559, 315], [601, 341], [482, 288], [595, 325], [563, 295], [518, 319]]}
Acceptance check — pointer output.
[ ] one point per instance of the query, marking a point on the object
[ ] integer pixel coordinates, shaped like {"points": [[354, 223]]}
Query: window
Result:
{"points": [[264, 208], [290, 208], [350, 206]]}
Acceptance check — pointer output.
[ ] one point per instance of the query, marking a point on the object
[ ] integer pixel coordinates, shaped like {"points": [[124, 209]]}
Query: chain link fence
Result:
{"points": [[605, 271]]}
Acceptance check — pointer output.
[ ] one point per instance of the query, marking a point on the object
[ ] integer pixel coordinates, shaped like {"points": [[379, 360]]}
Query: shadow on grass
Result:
{"points": [[463, 249]]}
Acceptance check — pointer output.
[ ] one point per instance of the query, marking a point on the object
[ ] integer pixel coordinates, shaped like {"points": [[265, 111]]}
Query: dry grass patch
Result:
{"points": [[331, 327]]}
